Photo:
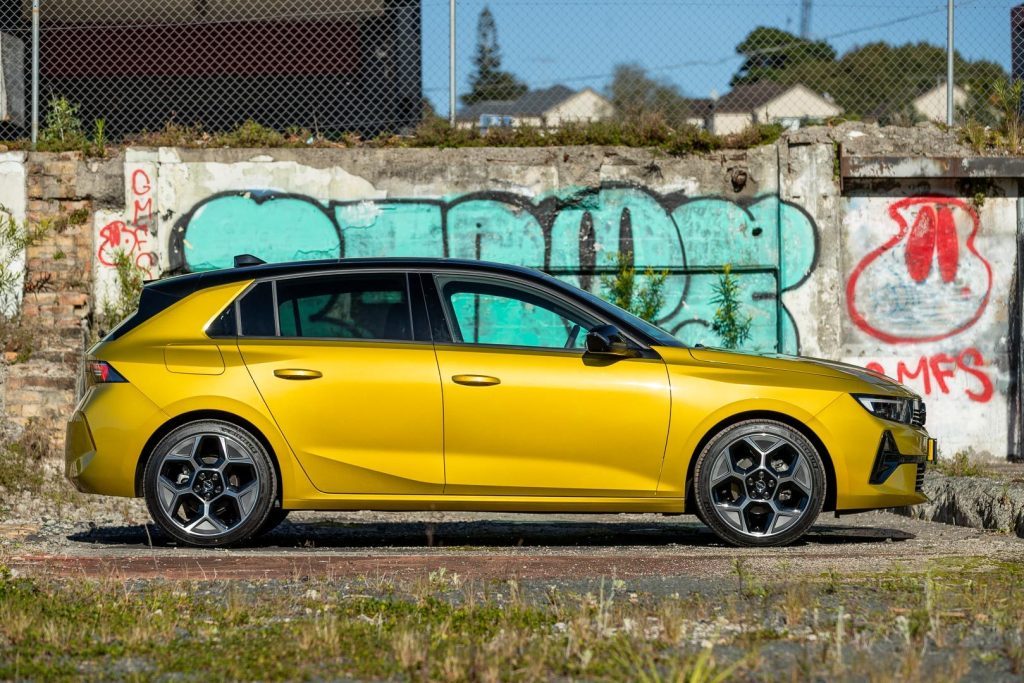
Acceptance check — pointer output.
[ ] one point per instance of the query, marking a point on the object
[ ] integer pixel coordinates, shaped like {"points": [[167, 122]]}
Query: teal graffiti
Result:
{"points": [[574, 234]]}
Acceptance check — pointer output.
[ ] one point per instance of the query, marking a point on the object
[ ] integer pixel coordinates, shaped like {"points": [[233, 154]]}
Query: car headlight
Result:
{"points": [[894, 408]]}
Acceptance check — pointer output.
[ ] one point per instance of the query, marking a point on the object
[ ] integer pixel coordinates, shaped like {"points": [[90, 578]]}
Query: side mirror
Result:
{"points": [[606, 340]]}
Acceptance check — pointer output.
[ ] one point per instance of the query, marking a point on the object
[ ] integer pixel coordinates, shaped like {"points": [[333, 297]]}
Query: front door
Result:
{"points": [[528, 412], [354, 393]]}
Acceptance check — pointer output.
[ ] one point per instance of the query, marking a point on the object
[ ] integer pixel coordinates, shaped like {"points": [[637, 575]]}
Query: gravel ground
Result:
{"points": [[114, 537]]}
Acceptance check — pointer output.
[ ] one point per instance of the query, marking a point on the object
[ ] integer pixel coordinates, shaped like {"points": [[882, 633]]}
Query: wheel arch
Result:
{"points": [[193, 416], [826, 457]]}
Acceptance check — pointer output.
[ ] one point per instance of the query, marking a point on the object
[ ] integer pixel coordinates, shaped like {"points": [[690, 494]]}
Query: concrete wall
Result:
{"points": [[14, 203], [929, 274], [568, 211], [904, 271]]}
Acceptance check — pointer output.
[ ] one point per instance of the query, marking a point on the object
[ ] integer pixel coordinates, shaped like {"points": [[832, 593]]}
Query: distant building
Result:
{"points": [[762, 102], [349, 65], [932, 103], [547, 108]]}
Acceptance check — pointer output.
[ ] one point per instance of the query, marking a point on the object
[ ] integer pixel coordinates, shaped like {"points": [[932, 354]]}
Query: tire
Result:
{"points": [[274, 519], [759, 483], [210, 483]]}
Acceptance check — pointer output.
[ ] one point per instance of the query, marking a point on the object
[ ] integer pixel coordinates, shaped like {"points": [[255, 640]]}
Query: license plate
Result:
{"points": [[932, 450]]}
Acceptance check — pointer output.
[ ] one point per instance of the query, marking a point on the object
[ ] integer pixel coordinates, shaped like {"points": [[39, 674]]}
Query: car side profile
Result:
{"points": [[234, 396]]}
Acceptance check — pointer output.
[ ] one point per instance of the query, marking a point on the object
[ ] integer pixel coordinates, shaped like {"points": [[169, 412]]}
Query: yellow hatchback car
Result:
{"points": [[231, 397]]}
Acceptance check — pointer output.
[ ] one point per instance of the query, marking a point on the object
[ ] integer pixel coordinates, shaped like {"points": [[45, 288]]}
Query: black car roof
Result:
{"points": [[183, 285]]}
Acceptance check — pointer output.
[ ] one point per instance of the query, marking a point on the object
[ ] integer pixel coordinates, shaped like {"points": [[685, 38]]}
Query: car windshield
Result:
{"points": [[662, 337]]}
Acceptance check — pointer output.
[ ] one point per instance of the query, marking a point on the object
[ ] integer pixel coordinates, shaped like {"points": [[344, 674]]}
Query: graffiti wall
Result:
{"points": [[197, 215], [909, 278], [574, 233], [929, 275]]}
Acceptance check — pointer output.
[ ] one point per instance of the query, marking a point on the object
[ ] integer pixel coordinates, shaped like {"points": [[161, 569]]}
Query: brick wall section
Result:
{"points": [[57, 297]]}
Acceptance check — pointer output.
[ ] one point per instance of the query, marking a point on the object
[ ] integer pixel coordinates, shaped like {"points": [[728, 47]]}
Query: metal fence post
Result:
{"points": [[949, 63], [451, 63], [35, 72]]}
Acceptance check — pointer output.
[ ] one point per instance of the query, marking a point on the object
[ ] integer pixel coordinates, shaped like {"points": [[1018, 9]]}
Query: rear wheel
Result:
{"points": [[759, 483], [210, 483]]}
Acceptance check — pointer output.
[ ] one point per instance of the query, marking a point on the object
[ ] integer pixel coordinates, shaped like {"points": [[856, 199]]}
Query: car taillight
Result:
{"points": [[102, 372]]}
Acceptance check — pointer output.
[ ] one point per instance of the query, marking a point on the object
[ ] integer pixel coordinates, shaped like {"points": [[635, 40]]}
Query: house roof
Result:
{"points": [[700, 107], [532, 103], [749, 96]]}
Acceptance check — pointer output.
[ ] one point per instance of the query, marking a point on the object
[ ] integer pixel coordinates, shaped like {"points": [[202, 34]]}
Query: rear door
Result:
{"points": [[353, 388]]}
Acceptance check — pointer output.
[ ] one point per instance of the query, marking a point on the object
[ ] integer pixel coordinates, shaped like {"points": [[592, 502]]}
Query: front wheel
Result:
{"points": [[759, 483], [210, 483]]}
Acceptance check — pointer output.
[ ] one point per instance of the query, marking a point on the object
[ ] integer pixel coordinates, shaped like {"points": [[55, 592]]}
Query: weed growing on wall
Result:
{"points": [[62, 128], [643, 296], [22, 458], [16, 336], [63, 131], [129, 280], [730, 323], [1008, 136], [15, 237]]}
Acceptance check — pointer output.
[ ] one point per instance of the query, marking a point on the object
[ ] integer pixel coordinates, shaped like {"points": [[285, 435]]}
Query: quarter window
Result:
{"points": [[488, 312], [349, 306], [256, 311]]}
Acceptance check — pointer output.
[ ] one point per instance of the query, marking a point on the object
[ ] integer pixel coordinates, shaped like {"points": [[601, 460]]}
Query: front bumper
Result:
{"points": [[878, 463]]}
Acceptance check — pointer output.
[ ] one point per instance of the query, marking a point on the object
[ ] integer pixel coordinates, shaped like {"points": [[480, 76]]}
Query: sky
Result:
{"points": [[690, 44]]}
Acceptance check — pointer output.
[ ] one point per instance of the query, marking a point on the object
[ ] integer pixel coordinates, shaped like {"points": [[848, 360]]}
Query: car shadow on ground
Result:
{"points": [[550, 534]]}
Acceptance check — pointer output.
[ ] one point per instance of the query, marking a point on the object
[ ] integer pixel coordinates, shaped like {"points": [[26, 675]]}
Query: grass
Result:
{"points": [[22, 459], [434, 132], [962, 464], [888, 625]]}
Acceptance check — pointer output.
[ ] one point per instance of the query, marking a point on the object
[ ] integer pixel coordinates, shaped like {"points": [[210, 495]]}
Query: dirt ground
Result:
{"points": [[489, 597], [667, 552]]}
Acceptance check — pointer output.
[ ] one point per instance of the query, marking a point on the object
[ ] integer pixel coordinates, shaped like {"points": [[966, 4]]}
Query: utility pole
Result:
{"points": [[805, 19]]}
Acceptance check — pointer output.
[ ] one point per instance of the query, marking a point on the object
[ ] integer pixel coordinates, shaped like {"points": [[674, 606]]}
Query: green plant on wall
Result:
{"points": [[730, 323], [643, 295], [17, 335], [129, 280], [15, 237], [62, 128]]}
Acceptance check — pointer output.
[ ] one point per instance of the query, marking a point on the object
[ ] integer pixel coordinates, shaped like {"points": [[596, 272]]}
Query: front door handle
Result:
{"points": [[297, 373], [476, 380]]}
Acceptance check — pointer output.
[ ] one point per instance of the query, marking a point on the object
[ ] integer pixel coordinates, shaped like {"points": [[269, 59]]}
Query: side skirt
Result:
{"points": [[486, 503]]}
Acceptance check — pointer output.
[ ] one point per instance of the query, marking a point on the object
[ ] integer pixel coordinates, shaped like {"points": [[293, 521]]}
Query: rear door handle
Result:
{"points": [[297, 373], [476, 380]]}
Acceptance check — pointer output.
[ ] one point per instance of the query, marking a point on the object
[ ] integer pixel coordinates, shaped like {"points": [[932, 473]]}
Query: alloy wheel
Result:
{"points": [[208, 484], [760, 484]]}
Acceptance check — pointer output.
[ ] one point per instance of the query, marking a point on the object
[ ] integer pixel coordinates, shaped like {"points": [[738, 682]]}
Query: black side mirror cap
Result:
{"points": [[606, 340]]}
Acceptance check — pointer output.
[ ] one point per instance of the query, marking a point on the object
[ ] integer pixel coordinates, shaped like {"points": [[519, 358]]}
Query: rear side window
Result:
{"points": [[256, 311], [349, 306]]}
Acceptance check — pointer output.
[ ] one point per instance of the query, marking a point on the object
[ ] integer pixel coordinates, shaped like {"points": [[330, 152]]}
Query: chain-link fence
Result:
{"points": [[366, 66]]}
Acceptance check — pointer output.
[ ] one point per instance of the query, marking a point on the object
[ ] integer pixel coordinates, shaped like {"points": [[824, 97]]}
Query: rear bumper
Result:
{"points": [[105, 437]]}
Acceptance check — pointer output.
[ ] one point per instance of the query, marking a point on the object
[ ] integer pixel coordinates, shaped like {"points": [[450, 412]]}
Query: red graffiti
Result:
{"points": [[131, 239], [895, 297], [117, 236], [941, 372]]}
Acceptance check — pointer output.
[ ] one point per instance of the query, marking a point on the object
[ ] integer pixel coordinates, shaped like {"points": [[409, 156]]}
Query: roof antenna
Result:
{"points": [[242, 260]]}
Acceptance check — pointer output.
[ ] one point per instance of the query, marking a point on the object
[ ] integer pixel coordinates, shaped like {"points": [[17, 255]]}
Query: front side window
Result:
{"points": [[349, 306], [489, 312]]}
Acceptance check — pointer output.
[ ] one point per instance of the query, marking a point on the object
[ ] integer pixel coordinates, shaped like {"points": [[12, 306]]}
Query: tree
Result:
{"points": [[635, 94], [877, 80], [770, 52], [488, 81]]}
